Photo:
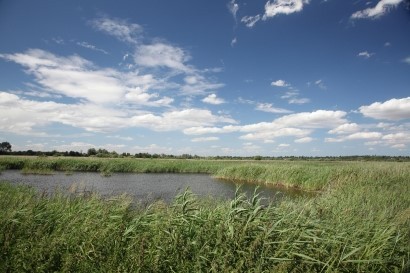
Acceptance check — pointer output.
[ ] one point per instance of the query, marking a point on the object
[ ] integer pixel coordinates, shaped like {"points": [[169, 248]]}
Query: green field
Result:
{"points": [[358, 222]]}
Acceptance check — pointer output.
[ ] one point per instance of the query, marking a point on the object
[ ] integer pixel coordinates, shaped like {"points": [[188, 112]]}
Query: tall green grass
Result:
{"points": [[359, 223], [307, 175]]}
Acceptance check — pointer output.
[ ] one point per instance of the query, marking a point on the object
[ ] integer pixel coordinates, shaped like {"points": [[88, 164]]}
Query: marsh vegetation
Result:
{"points": [[359, 221]]}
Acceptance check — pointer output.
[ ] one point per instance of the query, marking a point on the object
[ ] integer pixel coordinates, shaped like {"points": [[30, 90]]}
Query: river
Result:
{"points": [[142, 187]]}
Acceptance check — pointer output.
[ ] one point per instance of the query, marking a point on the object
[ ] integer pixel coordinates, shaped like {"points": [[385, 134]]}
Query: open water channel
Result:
{"points": [[142, 187]]}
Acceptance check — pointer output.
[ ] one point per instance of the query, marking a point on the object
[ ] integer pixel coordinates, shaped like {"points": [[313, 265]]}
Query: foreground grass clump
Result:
{"points": [[359, 224]]}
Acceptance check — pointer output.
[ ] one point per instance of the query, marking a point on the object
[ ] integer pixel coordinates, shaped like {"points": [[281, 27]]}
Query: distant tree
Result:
{"points": [[5, 147], [92, 151]]}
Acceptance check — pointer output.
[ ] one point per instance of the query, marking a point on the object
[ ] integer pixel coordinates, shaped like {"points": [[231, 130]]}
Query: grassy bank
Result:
{"points": [[359, 223], [336, 233], [307, 175]]}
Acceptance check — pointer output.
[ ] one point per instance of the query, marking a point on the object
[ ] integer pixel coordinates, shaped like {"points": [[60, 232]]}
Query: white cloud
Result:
{"points": [[118, 28], [74, 146], [213, 99], [316, 119], [280, 83], [399, 146], [268, 107], [400, 138], [200, 87], [365, 54], [293, 97], [79, 78], [304, 140], [191, 80], [394, 109], [249, 147], [58, 40], [346, 128], [234, 41], [121, 137], [357, 136], [283, 145], [250, 21], [179, 120], [283, 7], [381, 8], [233, 8], [298, 125], [299, 100], [24, 117], [162, 55], [407, 60], [320, 84], [263, 135], [204, 139], [273, 8], [152, 149], [364, 135], [332, 139], [92, 47]]}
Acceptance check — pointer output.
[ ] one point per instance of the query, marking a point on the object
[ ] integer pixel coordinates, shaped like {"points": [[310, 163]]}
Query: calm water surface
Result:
{"points": [[142, 187]]}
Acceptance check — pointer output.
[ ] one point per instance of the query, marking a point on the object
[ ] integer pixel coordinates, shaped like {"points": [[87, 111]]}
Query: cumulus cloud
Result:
{"points": [[264, 135], [364, 135], [304, 140], [162, 55], [204, 139], [21, 116], [298, 125], [78, 78], [213, 99], [365, 54], [381, 8], [268, 107], [118, 28], [283, 145], [152, 149], [356, 136], [273, 8], [346, 128], [394, 109], [178, 119], [121, 137], [316, 119], [280, 83]]}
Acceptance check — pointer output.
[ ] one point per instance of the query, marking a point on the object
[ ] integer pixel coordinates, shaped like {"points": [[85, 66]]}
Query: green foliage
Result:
{"points": [[5, 147], [359, 223]]}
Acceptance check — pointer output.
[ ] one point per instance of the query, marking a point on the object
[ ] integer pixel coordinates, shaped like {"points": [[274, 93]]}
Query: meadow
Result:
{"points": [[359, 221]]}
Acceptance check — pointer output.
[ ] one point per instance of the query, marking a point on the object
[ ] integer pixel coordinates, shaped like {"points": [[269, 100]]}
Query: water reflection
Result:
{"points": [[142, 187]]}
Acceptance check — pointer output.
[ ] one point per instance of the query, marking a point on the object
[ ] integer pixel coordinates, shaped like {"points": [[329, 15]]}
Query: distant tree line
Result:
{"points": [[6, 149]]}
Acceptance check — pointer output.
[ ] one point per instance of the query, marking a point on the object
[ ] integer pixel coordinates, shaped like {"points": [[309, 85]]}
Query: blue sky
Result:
{"points": [[243, 78]]}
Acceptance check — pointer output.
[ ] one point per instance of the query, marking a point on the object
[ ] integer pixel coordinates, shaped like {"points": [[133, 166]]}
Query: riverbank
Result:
{"points": [[305, 175], [359, 223]]}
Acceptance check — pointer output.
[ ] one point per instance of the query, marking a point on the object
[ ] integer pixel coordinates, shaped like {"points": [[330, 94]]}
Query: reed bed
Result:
{"points": [[358, 223]]}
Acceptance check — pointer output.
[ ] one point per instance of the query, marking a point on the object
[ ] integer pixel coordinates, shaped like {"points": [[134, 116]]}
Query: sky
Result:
{"points": [[206, 77]]}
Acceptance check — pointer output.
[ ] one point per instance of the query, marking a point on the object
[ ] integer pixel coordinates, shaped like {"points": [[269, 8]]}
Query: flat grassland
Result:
{"points": [[358, 222]]}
